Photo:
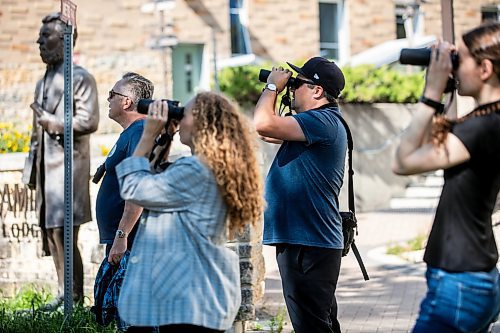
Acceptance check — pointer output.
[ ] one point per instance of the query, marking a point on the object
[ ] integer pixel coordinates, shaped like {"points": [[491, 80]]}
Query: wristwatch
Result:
{"points": [[272, 87], [120, 234]]}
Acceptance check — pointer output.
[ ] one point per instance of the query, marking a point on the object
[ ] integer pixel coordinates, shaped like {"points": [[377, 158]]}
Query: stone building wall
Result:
{"points": [[284, 31], [113, 37], [467, 14], [370, 23]]}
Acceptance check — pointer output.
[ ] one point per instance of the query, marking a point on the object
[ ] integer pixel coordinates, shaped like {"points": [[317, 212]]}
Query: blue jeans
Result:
{"points": [[459, 302]]}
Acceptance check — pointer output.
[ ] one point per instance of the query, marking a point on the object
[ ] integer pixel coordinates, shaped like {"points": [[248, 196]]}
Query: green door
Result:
{"points": [[186, 70]]}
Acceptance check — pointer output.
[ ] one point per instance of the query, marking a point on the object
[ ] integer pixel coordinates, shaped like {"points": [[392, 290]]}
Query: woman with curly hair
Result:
{"points": [[181, 276], [461, 254]]}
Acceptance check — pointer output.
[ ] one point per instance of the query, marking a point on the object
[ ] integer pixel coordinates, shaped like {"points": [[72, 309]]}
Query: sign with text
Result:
{"points": [[68, 12]]}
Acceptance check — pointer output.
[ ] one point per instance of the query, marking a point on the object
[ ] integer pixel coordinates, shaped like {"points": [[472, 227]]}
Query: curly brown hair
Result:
{"points": [[483, 42], [222, 140]]}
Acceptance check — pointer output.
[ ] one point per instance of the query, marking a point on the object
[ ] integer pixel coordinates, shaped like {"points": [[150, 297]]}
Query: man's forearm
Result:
{"points": [[265, 112]]}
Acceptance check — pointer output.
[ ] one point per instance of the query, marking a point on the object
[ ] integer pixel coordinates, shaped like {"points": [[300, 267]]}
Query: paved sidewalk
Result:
{"points": [[390, 300]]}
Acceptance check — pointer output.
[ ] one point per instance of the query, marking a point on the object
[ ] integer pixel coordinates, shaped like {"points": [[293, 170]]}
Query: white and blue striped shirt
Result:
{"points": [[180, 270]]}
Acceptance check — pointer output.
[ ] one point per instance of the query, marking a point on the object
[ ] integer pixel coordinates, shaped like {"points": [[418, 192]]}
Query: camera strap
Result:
{"points": [[350, 184], [286, 102], [164, 141]]}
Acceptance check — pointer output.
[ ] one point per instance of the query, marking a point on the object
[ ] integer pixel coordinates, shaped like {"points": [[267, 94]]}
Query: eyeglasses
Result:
{"points": [[113, 93], [298, 82]]}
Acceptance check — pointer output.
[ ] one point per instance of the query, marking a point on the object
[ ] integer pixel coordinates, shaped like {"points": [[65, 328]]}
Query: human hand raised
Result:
{"points": [[156, 119], [279, 76], [439, 71]]}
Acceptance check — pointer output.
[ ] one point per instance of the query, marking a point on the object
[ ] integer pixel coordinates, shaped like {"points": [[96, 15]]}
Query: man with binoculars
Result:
{"points": [[302, 217], [117, 218]]}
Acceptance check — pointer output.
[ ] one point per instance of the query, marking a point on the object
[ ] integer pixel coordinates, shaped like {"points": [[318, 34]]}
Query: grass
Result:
{"points": [[21, 315], [277, 322], [274, 324], [415, 244]]}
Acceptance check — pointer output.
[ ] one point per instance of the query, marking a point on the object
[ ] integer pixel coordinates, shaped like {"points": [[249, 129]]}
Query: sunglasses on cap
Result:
{"points": [[112, 93]]}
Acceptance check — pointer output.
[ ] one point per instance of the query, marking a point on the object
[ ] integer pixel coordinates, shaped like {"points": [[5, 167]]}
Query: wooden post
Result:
{"points": [[448, 28]]}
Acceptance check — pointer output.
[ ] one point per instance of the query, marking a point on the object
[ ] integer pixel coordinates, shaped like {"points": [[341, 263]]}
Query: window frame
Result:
{"points": [[242, 14], [340, 28], [490, 9]]}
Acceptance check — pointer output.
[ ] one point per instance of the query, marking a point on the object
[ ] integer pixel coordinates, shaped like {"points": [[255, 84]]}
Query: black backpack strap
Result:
{"points": [[351, 193]]}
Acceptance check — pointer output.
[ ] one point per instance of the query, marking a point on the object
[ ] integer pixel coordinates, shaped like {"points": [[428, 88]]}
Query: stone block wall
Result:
{"points": [[21, 259]]}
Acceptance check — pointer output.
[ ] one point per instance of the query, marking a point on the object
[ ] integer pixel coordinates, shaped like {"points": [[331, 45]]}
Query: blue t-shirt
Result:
{"points": [[109, 203], [304, 182]]}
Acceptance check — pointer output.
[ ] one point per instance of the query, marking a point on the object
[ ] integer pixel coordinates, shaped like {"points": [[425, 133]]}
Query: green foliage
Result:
{"points": [[242, 84], [364, 84], [415, 244], [12, 140], [30, 296], [367, 84], [20, 315], [257, 327], [277, 322]]}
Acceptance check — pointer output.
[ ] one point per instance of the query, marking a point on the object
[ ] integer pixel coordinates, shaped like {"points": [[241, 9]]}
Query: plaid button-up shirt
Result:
{"points": [[179, 270]]}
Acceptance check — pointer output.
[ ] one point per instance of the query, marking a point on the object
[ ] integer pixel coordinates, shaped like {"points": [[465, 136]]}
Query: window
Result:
{"points": [[408, 19], [329, 23], [400, 22], [490, 13], [240, 40]]}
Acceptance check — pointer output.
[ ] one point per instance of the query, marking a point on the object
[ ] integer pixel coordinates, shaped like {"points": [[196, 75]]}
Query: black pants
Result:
{"points": [[55, 237], [182, 328], [309, 277]]}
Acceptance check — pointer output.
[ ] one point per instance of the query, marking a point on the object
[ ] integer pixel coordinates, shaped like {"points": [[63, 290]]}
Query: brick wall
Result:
{"points": [[467, 14], [113, 37], [284, 31], [370, 23]]}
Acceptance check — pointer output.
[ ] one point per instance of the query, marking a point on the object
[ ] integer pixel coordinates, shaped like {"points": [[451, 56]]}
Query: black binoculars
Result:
{"points": [[422, 57], [174, 110], [293, 82]]}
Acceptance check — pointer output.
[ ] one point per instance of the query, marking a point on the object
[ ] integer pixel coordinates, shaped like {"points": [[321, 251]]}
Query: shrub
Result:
{"points": [[13, 140], [242, 84], [367, 84], [364, 84]]}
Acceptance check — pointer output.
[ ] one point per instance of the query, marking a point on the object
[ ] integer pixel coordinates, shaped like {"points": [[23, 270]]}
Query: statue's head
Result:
{"points": [[50, 39]]}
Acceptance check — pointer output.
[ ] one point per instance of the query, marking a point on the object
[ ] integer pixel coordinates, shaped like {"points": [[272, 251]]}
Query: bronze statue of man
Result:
{"points": [[48, 151]]}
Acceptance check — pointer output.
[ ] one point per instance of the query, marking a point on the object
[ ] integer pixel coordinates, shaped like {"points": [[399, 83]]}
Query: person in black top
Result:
{"points": [[461, 255]]}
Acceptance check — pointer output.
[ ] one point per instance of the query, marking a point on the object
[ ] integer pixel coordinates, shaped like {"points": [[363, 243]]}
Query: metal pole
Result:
{"points": [[449, 36], [216, 76], [68, 170]]}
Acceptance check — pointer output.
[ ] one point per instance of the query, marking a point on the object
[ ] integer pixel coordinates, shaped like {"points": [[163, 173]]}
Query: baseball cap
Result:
{"points": [[323, 73]]}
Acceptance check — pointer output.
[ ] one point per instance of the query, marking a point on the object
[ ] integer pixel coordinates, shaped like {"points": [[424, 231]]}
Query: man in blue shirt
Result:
{"points": [[302, 218], [117, 218]]}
